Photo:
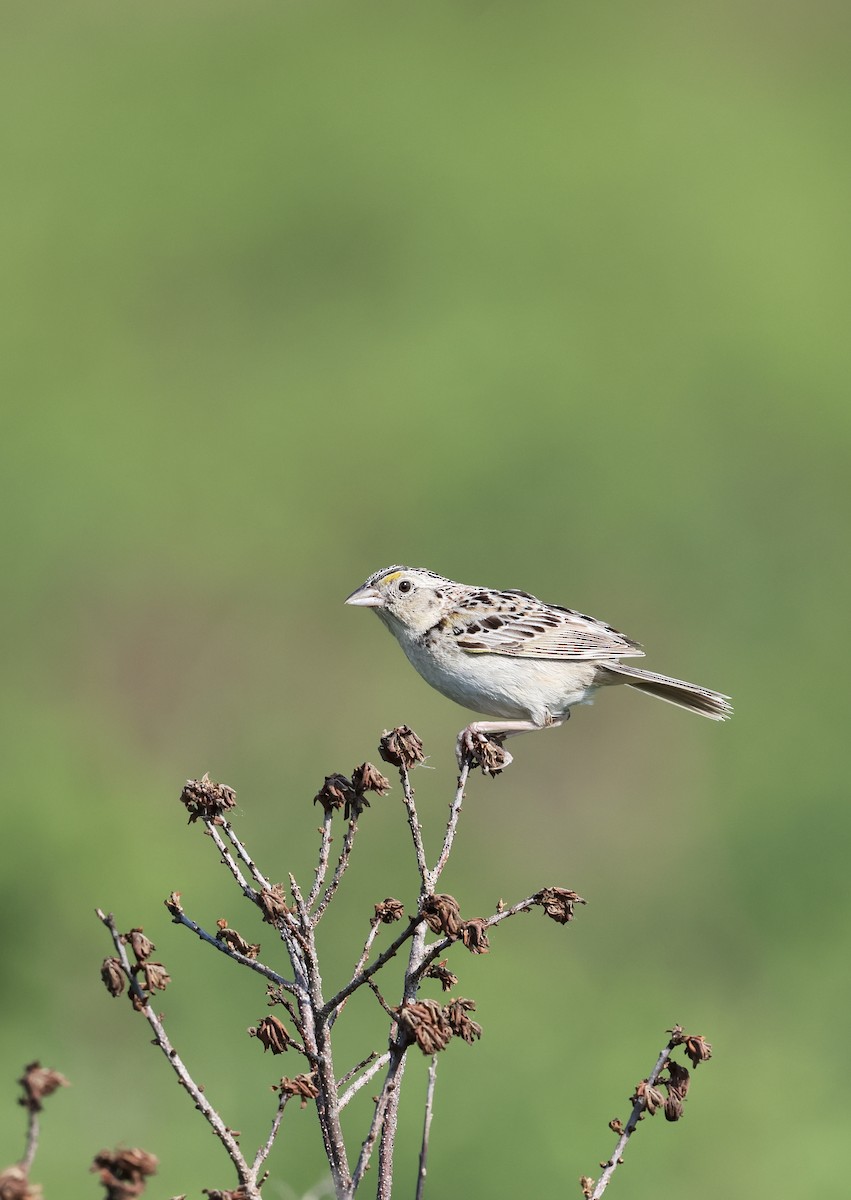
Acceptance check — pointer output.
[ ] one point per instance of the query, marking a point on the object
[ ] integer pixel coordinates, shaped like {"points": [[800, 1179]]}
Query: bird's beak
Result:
{"points": [[366, 597]]}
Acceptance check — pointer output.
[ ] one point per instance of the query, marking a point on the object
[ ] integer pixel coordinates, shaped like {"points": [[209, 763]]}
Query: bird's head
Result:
{"points": [[410, 597]]}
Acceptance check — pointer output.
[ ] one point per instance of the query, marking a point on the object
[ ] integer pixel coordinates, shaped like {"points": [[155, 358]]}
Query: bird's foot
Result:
{"points": [[479, 749]]}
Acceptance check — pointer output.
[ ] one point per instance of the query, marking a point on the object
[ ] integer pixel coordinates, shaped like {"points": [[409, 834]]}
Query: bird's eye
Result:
{"points": [[405, 585]]}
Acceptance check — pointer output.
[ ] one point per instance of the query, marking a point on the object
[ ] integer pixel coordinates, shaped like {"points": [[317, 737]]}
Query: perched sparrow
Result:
{"points": [[510, 655]]}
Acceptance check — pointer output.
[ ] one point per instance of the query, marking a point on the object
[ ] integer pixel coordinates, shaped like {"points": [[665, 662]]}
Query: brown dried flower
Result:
{"points": [[272, 1034], [487, 753], [441, 971], [673, 1107], [389, 910], [367, 778], [442, 914], [14, 1185], [303, 1086], [236, 941], [426, 1023], [678, 1079], [206, 799], [173, 904], [558, 903], [272, 903], [474, 936], [156, 976], [651, 1097], [336, 792], [697, 1048], [37, 1082], [123, 1172], [401, 748], [112, 974], [141, 946], [461, 1025]]}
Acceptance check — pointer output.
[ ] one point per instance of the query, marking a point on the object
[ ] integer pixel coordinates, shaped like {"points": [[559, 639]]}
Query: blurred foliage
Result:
{"points": [[550, 296]]}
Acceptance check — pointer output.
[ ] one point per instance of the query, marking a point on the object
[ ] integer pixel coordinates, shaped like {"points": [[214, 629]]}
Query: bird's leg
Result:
{"points": [[473, 741]]}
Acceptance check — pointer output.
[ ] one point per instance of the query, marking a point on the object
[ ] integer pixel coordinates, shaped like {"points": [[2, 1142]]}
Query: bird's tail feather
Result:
{"points": [[676, 691]]}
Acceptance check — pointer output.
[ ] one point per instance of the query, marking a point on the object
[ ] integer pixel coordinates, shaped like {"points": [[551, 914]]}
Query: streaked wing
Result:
{"points": [[521, 626]]}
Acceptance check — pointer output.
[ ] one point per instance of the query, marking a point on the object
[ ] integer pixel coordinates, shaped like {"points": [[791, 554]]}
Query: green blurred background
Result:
{"points": [[550, 296]]}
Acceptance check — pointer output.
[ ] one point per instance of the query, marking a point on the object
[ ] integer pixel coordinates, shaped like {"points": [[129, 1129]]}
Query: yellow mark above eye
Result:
{"points": [[389, 578]]}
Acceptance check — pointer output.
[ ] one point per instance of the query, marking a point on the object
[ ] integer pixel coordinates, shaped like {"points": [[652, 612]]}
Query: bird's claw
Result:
{"points": [[478, 749]]}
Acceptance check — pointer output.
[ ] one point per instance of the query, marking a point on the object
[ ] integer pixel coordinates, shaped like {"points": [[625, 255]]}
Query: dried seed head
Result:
{"points": [[367, 778], [156, 976], [272, 1034], [14, 1185], [488, 754], [678, 1078], [141, 946], [426, 1023], [272, 903], [461, 1025], [37, 1082], [587, 1185], [207, 799], [336, 792], [303, 1086], [558, 903], [173, 904], [441, 971], [123, 1172], [236, 941], [442, 914], [401, 748], [673, 1107], [616, 1125], [389, 910], [651, 1097], [474, 936], [697, 1048], [114, 979]]}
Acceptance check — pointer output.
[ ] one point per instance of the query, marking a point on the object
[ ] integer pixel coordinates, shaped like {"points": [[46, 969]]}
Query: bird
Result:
{"points": [[508, 655]]}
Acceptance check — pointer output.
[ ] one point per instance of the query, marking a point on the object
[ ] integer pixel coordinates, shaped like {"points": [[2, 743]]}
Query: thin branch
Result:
{"points": [[32, 1141], [364, 1079], [429, 1106], [390, 1085], [203, 1105], [437, 948], [416, 830], [452, 825], [339, 870], [264, 1151], [256, 874], [359, 980], [229, 861], [223, 948], [634, 1117], [324, 853]]}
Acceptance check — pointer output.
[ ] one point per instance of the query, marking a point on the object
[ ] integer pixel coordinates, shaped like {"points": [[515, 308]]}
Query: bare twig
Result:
{"points": [[452, 825], [429, 1106], [339, 870], [32, 1140], [359, 980], [364, 1079], [257, 875], [264, 1151], [416, 830], [229, 861], [223, 948], [324, 854]]}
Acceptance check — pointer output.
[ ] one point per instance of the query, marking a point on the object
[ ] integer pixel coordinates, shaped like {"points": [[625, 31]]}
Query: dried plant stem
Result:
{"points": [[264, 1151], [339, 870], [364, 1079], [452, 825], [630, 1127], [247, 1177], [416, 831], [429, 1110], [32, 1141], [257, 875], [324, 855], [223, 948]]}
